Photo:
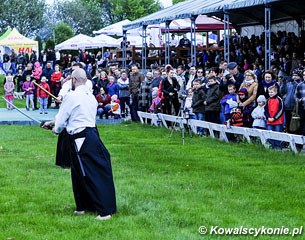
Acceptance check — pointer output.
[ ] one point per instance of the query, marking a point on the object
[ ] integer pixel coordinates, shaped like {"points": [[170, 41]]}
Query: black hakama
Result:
{"points": [[63, 158], [91, 173]]}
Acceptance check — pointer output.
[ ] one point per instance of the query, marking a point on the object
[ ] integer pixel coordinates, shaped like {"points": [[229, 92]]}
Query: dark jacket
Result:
{"points": [[213, 97], [197, 101], [168, 88], [135, 82]]}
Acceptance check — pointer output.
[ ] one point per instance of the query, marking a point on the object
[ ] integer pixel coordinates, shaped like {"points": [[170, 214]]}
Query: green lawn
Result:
{"points": [[164, 190]]}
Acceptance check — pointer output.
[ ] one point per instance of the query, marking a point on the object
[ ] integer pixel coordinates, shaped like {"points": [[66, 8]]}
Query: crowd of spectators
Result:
{"points": [[212, 90]]}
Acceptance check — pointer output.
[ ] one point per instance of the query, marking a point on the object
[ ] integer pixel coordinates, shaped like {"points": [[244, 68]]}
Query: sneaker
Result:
{"points": [[27, 109], [102, 218], [79, 212], [45, 112], [40, 112]]}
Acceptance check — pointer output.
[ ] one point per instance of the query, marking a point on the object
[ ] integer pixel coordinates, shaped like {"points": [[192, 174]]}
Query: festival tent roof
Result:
{"points": [[134, 40], [79, 41], [106, 41], [203, 23], [7, 32], [116, 29], [19, 42], [241, 12]]}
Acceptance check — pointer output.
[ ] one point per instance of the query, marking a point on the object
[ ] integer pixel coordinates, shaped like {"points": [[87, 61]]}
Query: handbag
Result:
{"points": [[295, 122]]}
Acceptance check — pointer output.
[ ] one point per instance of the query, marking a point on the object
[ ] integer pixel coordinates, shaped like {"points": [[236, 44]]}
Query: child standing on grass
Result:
{"points": [[156, 106], [28, 88], [258, 114], [228, 101], [9, 91], [43, 96], [274, 112], [197, 103], [247, 109]]}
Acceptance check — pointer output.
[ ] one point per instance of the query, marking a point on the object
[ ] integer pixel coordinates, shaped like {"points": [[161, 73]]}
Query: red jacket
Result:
{"points": [[274, 108], [55, 78], [105, 101], [40, 92]]}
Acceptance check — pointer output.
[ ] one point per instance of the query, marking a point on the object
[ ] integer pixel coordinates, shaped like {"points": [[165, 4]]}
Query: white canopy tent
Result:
{"points": [[79, 41], [116, 29], [134, 40], [106, 41]]}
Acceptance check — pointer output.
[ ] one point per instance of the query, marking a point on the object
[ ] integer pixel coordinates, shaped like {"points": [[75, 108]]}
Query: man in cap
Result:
{"points": [[231, 76]]}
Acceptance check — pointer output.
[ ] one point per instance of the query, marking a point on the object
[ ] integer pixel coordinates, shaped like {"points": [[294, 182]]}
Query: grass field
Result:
{"points": [[164, 190]]}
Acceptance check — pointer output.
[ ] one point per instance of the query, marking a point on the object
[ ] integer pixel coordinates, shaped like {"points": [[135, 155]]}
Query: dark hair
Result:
{"points": [[196, 81], [269, 72]]}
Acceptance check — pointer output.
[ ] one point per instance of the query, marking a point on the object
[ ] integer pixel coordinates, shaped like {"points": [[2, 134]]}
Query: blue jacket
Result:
{"points": [[113, 89], [224, 100]]}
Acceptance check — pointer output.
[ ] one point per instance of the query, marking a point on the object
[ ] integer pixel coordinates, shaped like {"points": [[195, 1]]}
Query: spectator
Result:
{"points": [[250, 83], [56, 79], [145, 98], [288, 89], [228, 101], [246, 108], [212, 101], [112, 87], [197, 103], [156, 106], [135, 81], [268, 81], [103, 99], [37, 72], [28, 88], [258, 114], [9, 91], [274, 112], [185, 43], [43, 96], [124, 94], [170, 89], [18, 78]]}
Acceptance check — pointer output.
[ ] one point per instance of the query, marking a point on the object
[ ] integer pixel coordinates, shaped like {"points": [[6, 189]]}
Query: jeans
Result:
{"points": [[199, 116], [134, 107], [275, 128], [28, 100], [43, 104], [104, 110]]}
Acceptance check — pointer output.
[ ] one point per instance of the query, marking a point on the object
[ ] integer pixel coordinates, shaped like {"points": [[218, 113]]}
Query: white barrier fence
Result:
{"points": [[161, 119]]}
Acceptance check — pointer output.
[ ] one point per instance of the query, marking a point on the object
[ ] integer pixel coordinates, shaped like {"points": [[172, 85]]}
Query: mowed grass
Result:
{"points": [[165, 190]]}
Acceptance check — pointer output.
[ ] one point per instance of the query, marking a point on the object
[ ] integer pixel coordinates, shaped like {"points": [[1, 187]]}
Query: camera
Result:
{"points": [[183, 95], [186, 113], [228, 76]]}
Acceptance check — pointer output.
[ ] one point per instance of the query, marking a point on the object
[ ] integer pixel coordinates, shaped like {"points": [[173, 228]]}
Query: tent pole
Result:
{"points": [[144, 45], [193, 40], [226, 36], [167, 43], [124, 48], [267, 37]]}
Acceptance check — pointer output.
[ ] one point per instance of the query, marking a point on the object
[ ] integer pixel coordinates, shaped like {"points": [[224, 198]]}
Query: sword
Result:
{"points": [[35, 83], [33, 119]]}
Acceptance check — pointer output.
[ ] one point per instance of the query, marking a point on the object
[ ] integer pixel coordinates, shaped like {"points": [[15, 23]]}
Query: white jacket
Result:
{"points": [[258, 112]]}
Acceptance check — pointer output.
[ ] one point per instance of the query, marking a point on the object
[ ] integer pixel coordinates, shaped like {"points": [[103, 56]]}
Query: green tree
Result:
{"points": [[118, 10], [177, 1], [39, 40], [49, 44], [83, 16], [25, 15], [62, 32]]}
